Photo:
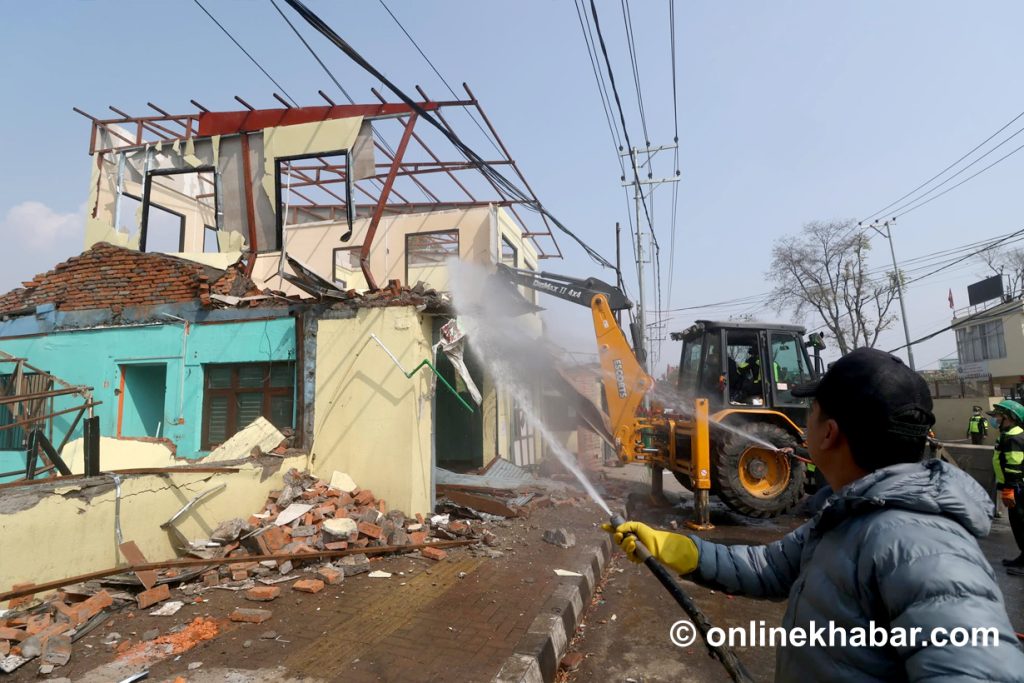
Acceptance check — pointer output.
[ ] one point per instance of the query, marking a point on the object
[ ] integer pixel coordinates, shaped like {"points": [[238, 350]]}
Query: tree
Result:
{"points": [[823, 271], [1009, 263]]}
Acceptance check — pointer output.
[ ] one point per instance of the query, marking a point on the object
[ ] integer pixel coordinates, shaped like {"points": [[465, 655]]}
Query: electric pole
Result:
{"points": [[640, 196], [899, 286]]}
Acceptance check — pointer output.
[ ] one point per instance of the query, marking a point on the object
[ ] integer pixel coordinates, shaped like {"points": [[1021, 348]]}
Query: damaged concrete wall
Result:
{"points": [[370, 420], [319, 246], [218, 198], [100, 357], [65, 529]]}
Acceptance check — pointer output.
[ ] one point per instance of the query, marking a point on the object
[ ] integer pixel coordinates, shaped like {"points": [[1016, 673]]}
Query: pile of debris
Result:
{"points": [[329, 529], [309, 514], [47, 631]]}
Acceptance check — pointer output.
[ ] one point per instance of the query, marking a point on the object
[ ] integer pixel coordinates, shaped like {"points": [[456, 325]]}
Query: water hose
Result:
{"points": [[722, 653]]}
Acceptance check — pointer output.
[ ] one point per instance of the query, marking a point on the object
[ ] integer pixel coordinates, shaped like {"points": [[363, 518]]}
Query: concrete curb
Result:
{"points": [[538, 652]]}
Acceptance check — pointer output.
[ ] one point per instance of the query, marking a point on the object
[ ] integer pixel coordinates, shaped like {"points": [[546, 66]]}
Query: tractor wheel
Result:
{"points": [[753, 480]]}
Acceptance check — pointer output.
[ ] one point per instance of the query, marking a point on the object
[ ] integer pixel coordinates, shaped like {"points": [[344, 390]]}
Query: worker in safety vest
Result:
{"points": [[1008, 462], [977, 427]]}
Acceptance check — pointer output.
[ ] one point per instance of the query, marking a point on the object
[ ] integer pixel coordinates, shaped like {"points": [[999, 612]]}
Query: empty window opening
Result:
{"points": [[210, 243], [141, 402], [348, 274], [427, 252], [509, 253], [177, 209], [313, 189], [235, 395]]}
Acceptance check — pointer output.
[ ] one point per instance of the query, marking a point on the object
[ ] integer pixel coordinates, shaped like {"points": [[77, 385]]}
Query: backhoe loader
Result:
{"points": [[720, 427]]}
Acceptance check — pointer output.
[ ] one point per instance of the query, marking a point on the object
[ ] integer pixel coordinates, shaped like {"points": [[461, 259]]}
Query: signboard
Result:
{"points": [[987, 289], [977, 370]]}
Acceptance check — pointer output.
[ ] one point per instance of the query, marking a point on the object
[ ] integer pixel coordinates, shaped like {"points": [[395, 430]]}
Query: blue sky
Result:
{"points": [[788, 112]]}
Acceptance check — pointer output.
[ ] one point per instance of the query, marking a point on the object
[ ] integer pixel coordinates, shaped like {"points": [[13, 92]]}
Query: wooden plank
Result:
{"points": [[171, 564], [134, 556], [480, 503]]}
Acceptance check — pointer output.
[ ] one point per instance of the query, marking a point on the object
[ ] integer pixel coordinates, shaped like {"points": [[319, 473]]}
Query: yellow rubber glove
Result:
{"points": [[672, 550], [1008, 497]]}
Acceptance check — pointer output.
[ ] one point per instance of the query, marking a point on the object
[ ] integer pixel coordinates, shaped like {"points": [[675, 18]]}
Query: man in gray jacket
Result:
{"points": [[894, 547]]}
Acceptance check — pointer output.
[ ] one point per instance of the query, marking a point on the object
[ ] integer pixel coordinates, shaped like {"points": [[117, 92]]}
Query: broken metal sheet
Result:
{"points": [[500, 474], [308, 281], [235, 300], [280, 579], [168, 609], [453, 344], [361, 156], [566, 572]]}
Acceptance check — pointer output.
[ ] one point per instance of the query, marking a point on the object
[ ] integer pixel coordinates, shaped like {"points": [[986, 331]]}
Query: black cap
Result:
{"points": [[872, 391]]}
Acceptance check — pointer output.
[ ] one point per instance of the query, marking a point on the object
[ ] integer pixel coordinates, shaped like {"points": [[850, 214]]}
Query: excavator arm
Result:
{"points": [[624, 380]]}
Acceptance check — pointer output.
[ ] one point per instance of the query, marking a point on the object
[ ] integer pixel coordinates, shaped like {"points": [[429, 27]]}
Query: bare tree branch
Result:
{"points": [[824, 272]]}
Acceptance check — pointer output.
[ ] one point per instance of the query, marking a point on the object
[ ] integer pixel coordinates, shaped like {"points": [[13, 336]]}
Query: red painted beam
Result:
{"points": [[231, 122], [364, 253]]}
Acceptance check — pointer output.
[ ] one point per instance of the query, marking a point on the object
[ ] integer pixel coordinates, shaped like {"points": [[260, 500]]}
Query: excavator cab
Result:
{"points": [[745, 365]]}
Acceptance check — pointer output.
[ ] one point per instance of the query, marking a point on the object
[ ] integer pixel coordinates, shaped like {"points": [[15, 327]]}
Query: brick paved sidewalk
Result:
{"points": [[442, 627]]}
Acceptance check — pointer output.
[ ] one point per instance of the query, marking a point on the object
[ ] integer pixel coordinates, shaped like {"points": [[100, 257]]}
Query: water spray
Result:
{"points": [[722, 653]]}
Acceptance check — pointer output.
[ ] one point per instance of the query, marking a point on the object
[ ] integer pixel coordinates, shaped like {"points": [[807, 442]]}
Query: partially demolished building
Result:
{"points": [[255, 278]]}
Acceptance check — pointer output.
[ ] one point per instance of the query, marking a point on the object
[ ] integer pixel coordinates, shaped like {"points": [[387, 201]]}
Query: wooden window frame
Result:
{"points": [[231, 392]]}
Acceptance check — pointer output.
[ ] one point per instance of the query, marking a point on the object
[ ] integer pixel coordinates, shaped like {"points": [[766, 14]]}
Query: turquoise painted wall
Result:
{"points": [[94, 358]]}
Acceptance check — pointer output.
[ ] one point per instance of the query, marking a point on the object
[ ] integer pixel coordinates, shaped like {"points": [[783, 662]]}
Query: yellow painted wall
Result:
{"points": [[479, 230], [1013, 335], [60, 535], [369, 419]]}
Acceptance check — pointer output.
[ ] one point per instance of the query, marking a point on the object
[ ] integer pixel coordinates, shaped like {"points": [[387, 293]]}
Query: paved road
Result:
{"points": [[626, 633]]}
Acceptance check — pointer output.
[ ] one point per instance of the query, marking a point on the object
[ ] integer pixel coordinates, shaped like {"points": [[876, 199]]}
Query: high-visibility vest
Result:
{"points": [[975, 425], [1008, 458]]}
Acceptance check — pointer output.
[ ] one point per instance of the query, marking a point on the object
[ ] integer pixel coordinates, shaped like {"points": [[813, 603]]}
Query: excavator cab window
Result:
{"points": [[746, 379], [790, 367]]}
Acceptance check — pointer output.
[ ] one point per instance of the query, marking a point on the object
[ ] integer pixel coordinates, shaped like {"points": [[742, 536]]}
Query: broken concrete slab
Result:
{"points": [[342, 482], [259, 434], [561, 537], [11, 662], [340, 527], [355, 564]]}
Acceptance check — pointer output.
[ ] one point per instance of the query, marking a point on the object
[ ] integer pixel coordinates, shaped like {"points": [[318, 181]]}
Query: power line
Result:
{"points": [[434, 68], [622, 116], [675, 139], [1000, 159], [492, 174], [246, 52], [946, 257], [605, 104], [627, 19], [940, 173]]}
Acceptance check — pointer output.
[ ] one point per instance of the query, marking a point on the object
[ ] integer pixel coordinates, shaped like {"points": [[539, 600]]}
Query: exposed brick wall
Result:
{"points": [[107, 276]]}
